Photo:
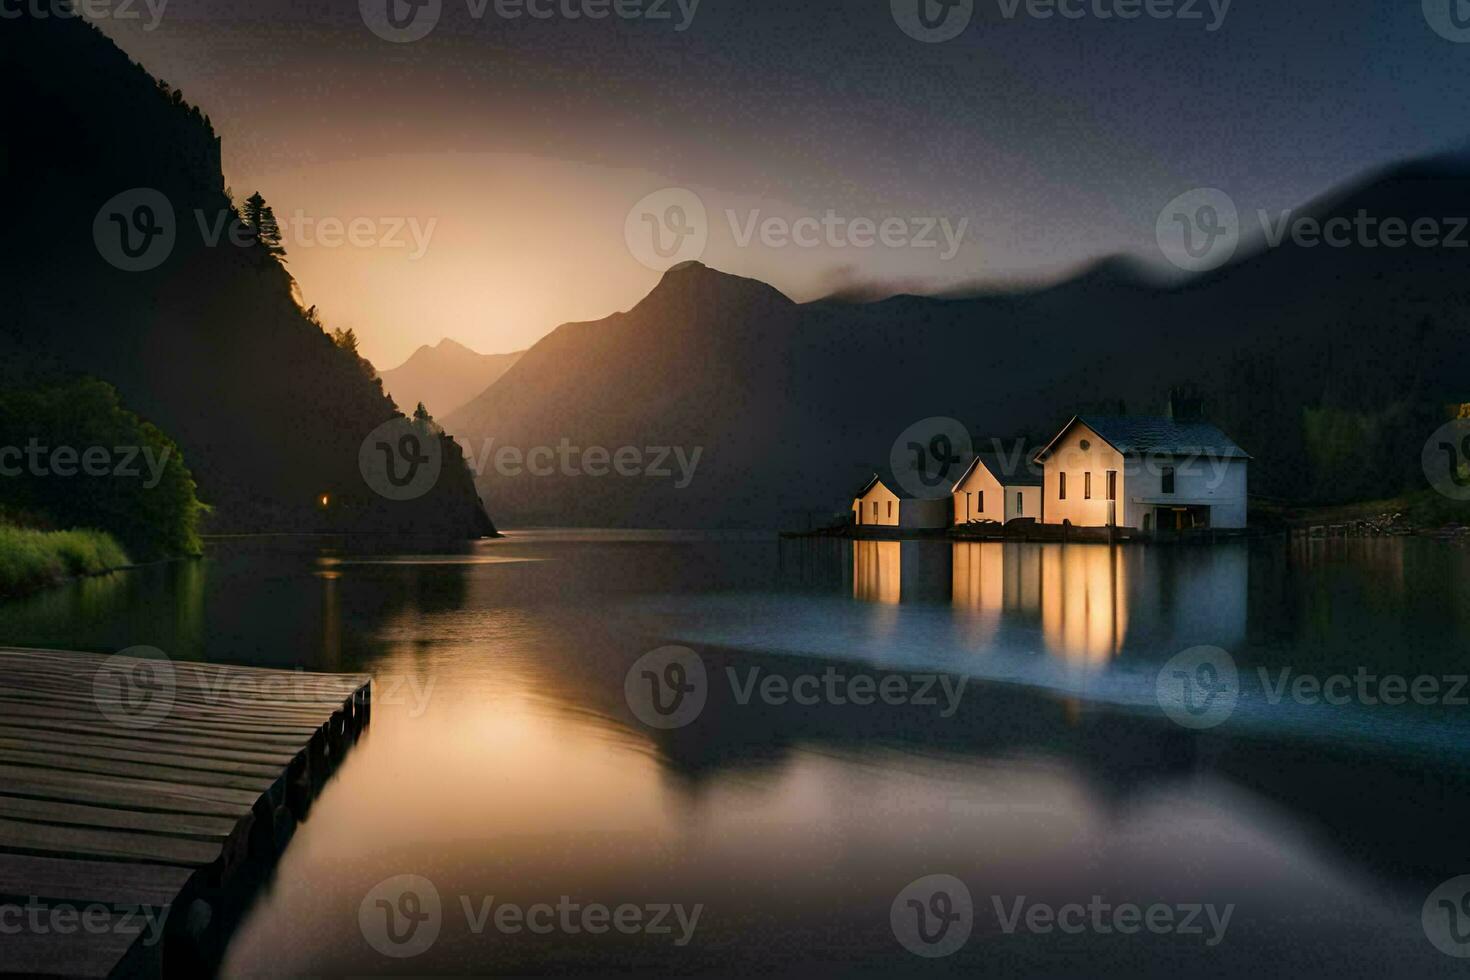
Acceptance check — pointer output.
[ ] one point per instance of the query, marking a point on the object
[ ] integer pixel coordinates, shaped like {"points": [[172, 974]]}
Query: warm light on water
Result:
{"points": [[503, 759]]}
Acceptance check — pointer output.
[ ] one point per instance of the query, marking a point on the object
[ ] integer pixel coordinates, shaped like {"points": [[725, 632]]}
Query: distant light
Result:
{"points": [[325, 500]]}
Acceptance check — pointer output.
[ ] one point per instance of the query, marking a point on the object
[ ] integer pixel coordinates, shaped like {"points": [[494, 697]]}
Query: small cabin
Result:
{"points": [[999, 490], [883, 502], [1149, 473]]}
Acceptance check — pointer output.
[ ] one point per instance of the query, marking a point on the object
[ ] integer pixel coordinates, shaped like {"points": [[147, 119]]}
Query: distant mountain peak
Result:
{"points": [[694, 280]]}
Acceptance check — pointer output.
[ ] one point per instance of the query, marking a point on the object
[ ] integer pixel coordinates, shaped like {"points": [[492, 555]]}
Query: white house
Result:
{"points": [[1150, 473], [987, 492], [883, 502]]}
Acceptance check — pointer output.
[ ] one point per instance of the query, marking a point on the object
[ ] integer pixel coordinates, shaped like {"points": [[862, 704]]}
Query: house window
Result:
{"points": [[968, 511], [890, 510], [1112, 484], [1087, 486], [1168, 486], [875, 512], [982, 501], [1061, 486], [1020, 504]]}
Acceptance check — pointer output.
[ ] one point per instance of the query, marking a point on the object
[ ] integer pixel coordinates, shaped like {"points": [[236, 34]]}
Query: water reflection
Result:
{"points": [[1086, 599]]}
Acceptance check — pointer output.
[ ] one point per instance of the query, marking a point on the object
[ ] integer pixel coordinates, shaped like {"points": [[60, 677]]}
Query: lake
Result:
{"points": [[536, 793]]}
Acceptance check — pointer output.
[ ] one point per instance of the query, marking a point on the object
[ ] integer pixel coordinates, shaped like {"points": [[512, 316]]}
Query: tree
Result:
{"points": [[345, 339], [261, 221]]}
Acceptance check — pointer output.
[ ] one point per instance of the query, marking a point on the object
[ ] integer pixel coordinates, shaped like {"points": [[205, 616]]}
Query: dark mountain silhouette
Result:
{"points": [[444, 377], [210, 344], [1330, 365]]}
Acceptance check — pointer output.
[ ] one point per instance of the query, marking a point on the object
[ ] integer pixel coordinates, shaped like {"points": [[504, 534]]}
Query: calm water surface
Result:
{"points": [[504, 761]]}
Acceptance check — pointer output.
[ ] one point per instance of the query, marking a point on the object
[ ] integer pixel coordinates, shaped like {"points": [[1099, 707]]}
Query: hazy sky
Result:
{"points": [[508, 153]]}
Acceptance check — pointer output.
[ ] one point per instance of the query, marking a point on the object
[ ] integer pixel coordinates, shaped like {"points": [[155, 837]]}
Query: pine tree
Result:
{"points": [[261, 221]]}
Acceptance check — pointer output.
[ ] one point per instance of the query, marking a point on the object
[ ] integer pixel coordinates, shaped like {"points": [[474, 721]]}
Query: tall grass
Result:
{"points": [[31, 560]]}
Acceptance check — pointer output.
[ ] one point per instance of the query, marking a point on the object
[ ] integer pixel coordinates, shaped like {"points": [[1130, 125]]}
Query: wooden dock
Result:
{"points": [[139, 797]]}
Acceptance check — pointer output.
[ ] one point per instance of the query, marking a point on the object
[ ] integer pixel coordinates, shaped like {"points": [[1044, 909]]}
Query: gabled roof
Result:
{"points": [[885, 477], [1157, 435], [994, 463]]}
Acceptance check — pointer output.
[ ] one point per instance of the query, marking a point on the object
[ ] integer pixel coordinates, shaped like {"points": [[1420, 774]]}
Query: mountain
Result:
{"points": [[111, 266], [1330, 365], [444, 377]]}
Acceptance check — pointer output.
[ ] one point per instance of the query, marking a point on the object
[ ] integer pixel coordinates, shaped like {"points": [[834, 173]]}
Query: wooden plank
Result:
{"points": [[144, 754], [91, 842], [113, 951], [175, 824], [208, 675], [133, 743], [132, 794], [48, 761], [25, 876], [264, 719], [285, 694], [12, 709], [149, 737], [94, 813], [237, 717]]}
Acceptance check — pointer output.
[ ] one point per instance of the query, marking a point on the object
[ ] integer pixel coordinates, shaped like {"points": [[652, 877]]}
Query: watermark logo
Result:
{"points": [[401, 21], [675, 463], [401, 460], [933, 917], [401, 917], [135, 688], [666, 228], [667, 688], [929, 457], [933, 21], [1446, 917], [135, 231], [1446, 459], [93, 10], [1450, 19], [1199, 230], [1199, 688]]}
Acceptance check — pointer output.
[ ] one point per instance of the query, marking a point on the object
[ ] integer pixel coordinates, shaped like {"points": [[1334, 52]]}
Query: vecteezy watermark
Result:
{"points": [[303, 231], [677, 463], [135, 231], [1450, 19], [1446, 459], [672, 226], [1202, 229], [401, 459], [667, 228], [936, 21], [1446, 917], [930, 456], [135, 688], [1199, 688], [935, 915], [93, 10], [47, 918], [46, 462], [404, 21], [401, 917], [404, 916], [669, 688]]}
